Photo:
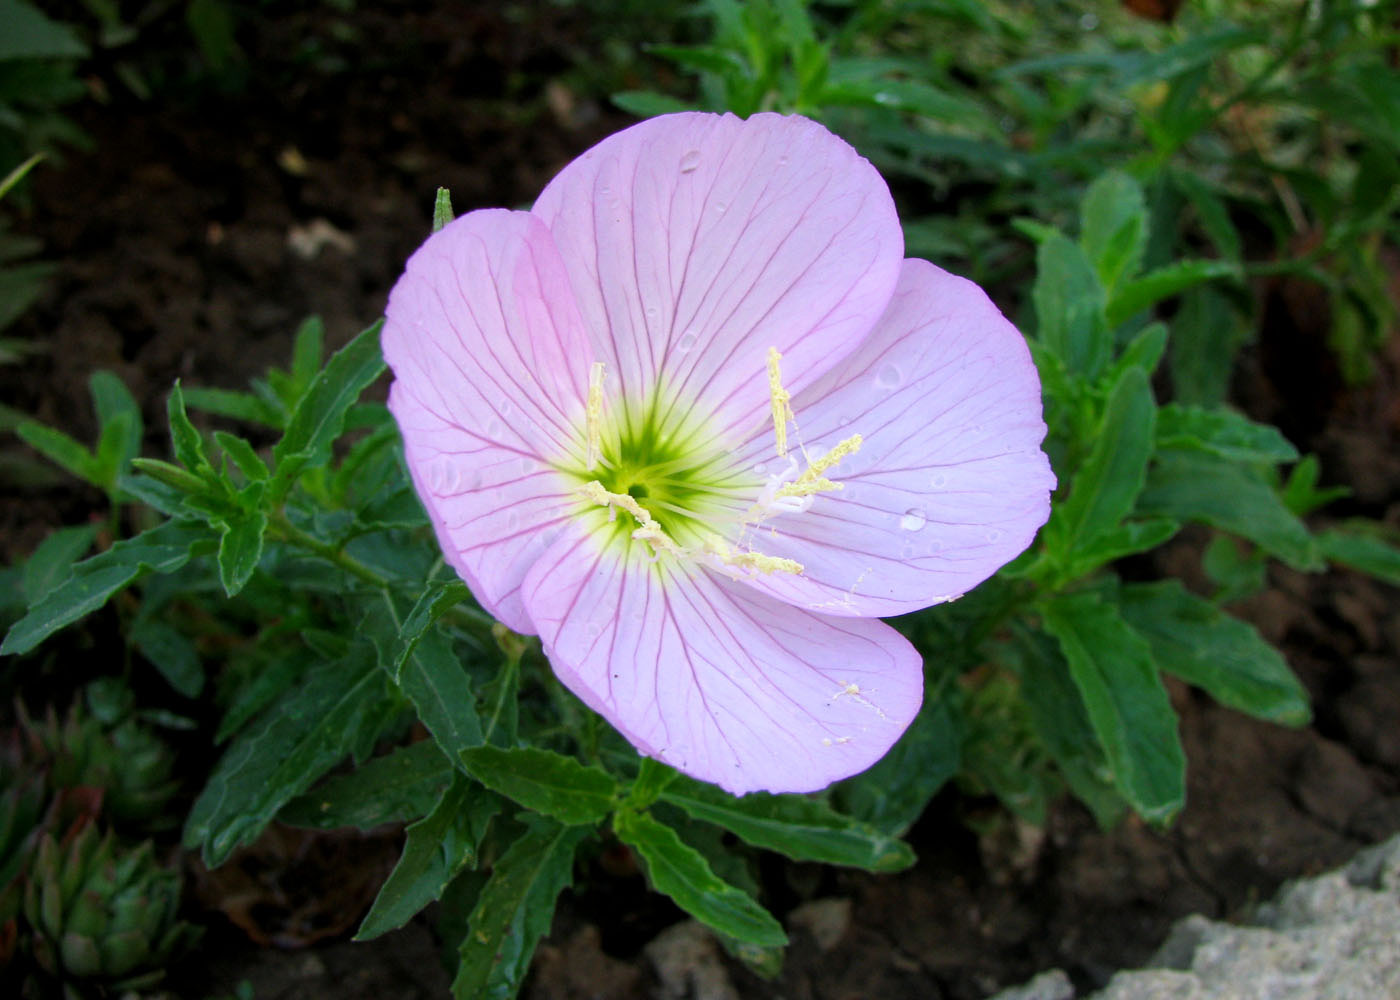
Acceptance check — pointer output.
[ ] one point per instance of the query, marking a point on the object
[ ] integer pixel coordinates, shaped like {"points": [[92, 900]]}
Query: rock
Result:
{"points": [[688, 964], [827, 920], [1052, 985]]}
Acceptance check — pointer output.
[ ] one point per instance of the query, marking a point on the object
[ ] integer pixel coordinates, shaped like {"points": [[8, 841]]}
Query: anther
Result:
{"points": [[595, 413]]}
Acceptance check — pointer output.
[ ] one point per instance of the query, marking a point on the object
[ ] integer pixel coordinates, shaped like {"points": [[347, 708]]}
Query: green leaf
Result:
{"points": [[546, 782], [648, 104], [1143, 351], [1132, 717], [163, 549], [1204, 646], [113, 402], [1195, 486], [403, 785], [682, 873], [308, 348], [514, 910], [62, 450], [1357, 546], [1104, 488], [29, 34], [1113, 227], [1206, 334], [891, 795], [53, 560], [1211, 212], [1145, 292], [1128, 538], [333, 711], [240, 549], [317, 419], [1060, 721], [1069, 307], [115, 448], [242, 454], [185, 440], [1221, 432], [437, 847], [442, 209], [800, 828], [170, 653], [237, 405], [423, 664]]}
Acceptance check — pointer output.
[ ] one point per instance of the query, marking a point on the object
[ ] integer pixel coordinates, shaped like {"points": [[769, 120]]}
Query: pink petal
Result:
{"points": [[724, 683], [949, 483], [490, 364], [696, 242]]}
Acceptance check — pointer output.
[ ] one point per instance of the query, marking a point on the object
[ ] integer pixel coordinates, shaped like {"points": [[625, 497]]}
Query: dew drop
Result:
{"points": [[528, 465], [907, 552], [994, 535], [685, 343], [760, 468], [505, 408], [494, 428], [913, 519], [782, 161], [888, 377], [690, 161], [720, 207], [512, 521], [939, 481]]}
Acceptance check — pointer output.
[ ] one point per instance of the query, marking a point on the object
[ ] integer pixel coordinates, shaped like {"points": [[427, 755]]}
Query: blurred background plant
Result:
{"points": [[1148, 184]]}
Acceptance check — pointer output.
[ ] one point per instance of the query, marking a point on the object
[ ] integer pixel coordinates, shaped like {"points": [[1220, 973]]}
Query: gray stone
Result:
{"points": [[1052, 985]]}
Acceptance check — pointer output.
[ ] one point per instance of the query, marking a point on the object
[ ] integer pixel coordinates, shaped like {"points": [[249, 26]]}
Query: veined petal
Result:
{"points": [[949, 482], [490, 364], [697, 242], [715, 679]]}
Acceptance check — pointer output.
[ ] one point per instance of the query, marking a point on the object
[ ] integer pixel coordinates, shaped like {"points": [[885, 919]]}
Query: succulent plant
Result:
{"points": [[130, 762], [101, 914]]}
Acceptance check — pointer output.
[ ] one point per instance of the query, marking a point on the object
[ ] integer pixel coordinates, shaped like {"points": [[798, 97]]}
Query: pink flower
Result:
{"points": [[695, 422]]}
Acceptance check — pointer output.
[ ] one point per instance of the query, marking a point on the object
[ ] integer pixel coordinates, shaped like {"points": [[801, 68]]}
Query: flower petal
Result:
{"points": [[726, 684], [490, 363], [949, 482], [697, 242]]}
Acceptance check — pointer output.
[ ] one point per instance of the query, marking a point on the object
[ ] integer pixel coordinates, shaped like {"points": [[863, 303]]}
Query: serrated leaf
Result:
{"points": [[423, 664], [240, 549], [163, 549], [682, 873], [1104, 488], [1145, 292], [1221, 432], [237, 405], [62, 450], [800, 828], [1196, 641], [173, 655], [1132, 717], [437, 847], [318, 417], [402, 785], [1069, 307], [1128, 538], [1113, 227], [185, 441], [514, 910], [335, 709], [53, 559], [1356, 546], [243, 455], [1195, 486], [547, 782]]}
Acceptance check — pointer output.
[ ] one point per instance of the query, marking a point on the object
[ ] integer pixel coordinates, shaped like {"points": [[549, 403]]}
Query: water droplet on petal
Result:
{"points": [[888, 377], [938, 481], [690, 161], [994, 535], [913, 519], [760, 468], [686, 342], [494, 429], [720, 207], [907, 552], [505, 408]]}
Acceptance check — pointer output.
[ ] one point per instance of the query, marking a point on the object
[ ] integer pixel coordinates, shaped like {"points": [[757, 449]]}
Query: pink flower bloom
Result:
{"points": [[695, 422]]}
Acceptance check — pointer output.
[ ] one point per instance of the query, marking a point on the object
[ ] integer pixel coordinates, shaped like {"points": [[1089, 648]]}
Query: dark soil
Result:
{"points": [[204, 227]]}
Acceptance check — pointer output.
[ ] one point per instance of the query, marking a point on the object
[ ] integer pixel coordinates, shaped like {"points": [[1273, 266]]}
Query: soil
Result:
{"points": [[204, 226]]}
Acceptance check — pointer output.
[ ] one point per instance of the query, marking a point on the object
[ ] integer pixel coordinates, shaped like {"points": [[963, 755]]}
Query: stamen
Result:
{"points": [[716, 547], [780, 399], [595, 414], [812, 481], [649, 529]]}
